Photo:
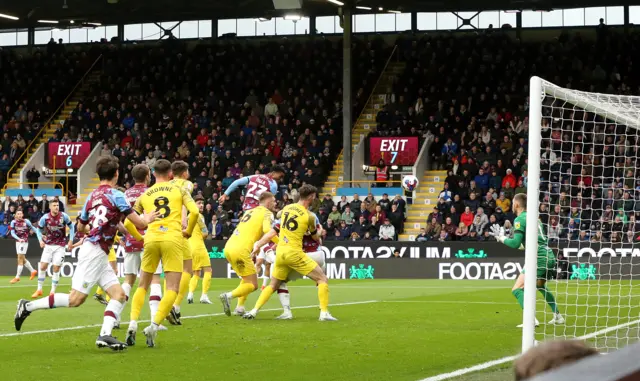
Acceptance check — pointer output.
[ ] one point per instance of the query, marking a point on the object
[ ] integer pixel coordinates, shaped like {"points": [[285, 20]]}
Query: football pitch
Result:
{"points": [[388, 329]]}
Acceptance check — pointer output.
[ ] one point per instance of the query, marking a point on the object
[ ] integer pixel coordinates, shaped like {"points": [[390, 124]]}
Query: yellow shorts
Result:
{"points": [[200, 259], [297, 261], [170, 252], [187, 252], [112, 255], [240, 262]]}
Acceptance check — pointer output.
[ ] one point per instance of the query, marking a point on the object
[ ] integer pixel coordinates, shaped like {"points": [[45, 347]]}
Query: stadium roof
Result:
{"points": [[111, 12]]}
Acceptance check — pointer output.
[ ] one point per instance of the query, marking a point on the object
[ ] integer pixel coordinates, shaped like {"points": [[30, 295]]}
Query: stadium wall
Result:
{"points": [[414, 260]]}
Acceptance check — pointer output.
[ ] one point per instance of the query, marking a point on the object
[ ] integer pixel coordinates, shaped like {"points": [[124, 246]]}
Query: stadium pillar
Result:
{"points": [[347, 108], [214, 28], [31, 37], [121, 33]]}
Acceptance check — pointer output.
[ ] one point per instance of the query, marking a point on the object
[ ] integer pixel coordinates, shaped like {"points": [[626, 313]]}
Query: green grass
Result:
{"points": [[408, 330]]}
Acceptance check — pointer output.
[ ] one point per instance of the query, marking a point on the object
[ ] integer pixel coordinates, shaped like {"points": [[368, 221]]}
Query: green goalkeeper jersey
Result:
{"points": [[520, 225]]}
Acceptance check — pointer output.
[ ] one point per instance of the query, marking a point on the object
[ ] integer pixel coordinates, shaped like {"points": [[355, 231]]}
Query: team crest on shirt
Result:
{"points": [[85, 285], [517, 225]]}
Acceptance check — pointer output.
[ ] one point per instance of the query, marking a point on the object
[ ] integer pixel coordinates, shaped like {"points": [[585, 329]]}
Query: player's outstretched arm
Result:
{"points": [[130, 228], [241, 182]]}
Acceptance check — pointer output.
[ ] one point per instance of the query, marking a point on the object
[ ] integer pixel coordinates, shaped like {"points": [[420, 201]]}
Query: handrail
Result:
{"points": [[395, 47], [54, 183], [51, 118]]}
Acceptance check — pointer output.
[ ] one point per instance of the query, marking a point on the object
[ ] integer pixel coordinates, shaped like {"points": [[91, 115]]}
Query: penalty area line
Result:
{"points": [[184, 317], [490, 364]]}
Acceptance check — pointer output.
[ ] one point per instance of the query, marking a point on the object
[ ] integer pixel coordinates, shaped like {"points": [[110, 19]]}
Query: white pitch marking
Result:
{"points": [[184, 317]]}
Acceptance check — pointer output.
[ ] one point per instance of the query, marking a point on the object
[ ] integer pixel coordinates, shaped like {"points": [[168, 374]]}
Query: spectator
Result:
{"points": [[343, 203], [374, 228], [32, 177], [444, 236], [378, 214], [347, 217], [387, 232], [355, 202], [335, 215], [227, 229], [434, 228], [396, 218], [503, 202], [488, 204], [435, 214], [482, 181], [472, 203], [471, 237], [449, 227], [362, 226], [467, 217], [385, 203], [484, 220], [345, 230], [446, 194], [510, 179], [461, 232], [400, 202], [327, 202], [364, 212], [422, 237], [330, 226], [216, 228]]}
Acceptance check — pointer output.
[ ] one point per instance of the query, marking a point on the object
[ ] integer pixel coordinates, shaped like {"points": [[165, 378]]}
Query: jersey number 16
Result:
{"points": [[289, 222]]}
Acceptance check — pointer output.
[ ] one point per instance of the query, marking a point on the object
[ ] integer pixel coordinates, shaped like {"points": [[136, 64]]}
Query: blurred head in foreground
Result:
{"points": [[551, 355]]}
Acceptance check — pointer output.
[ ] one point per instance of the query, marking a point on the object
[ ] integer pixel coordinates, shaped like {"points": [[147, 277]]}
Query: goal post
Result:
{"points": [[581, 184]]}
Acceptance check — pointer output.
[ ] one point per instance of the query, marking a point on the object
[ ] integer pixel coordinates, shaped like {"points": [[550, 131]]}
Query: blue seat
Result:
{"points": [[363, 192]]}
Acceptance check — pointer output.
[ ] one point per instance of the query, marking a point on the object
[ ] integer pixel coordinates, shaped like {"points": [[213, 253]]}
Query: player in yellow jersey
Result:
{"points": [[180, 170], [296, 222], [252, 226], [201, 260], [164, 240]]}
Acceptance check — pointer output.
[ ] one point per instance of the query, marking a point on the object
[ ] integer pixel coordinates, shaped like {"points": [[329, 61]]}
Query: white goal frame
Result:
{"points": [[599, 104]]}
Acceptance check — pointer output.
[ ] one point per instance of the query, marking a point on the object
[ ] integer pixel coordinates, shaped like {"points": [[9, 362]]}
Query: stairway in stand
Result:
{"points": [[430, 186], [81, 198], [49, 130], [366, 121]]}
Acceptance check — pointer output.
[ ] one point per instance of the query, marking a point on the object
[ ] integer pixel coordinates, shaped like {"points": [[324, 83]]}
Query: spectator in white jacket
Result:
{"points": [[484, 220], [271, 109], [387, 231]]}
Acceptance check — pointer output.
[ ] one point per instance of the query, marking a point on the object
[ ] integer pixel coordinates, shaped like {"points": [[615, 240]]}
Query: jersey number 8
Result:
{"points": [[162, 206], [290, 222]]}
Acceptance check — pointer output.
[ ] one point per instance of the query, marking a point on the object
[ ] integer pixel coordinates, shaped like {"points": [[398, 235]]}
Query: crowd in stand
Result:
{"points": [[33, 86], [230, 110], [471, 94]]}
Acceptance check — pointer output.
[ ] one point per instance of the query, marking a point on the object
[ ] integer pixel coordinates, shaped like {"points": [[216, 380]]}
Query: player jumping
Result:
{"points": [[546, 257], [201, 262], [256, 185], [103, 211], [52, 235], [296, 223], [20, 232]]}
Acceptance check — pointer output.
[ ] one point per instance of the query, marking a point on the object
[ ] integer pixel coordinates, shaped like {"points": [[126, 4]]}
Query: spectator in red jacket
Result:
{"points": [[467, 217], [509, 178]]}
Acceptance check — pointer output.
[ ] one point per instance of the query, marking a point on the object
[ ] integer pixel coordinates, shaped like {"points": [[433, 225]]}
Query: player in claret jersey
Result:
{"points": [[256, 185], [52, 235], [20, 232], [102, 212]]}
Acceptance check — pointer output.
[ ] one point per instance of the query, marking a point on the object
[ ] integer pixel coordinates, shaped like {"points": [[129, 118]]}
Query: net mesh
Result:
{"points": [[588, 210]]}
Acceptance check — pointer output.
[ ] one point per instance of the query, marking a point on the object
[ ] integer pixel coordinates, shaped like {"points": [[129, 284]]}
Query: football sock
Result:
{"points": [[20, 267], [100, 291], [55, 278], [323, 296], [27, 264], [241, 301], [42, 274], [193, 284], [126, 287], [154, 298], [283, 295], [51, 301], [206, 282], [111, 315], [165, 306], [182, 291], [264, 297], [243, 289], [548, 297], [519, 294], [265, 281], [137, 302]]}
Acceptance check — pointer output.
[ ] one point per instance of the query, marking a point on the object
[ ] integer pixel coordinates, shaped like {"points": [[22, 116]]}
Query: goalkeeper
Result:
{"points": [[546, 257]]}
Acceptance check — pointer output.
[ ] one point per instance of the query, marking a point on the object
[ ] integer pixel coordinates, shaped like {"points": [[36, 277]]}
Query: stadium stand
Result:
{"points": [[228, 109]]}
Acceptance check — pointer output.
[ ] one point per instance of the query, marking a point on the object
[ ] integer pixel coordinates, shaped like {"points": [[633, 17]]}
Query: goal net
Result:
{"points": [[582, 186]]}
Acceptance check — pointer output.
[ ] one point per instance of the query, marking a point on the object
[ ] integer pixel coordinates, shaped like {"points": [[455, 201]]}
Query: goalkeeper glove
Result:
{"points": [[497, 232]]}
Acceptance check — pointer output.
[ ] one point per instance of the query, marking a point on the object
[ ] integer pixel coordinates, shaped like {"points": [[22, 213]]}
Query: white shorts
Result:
{"points": [[269, 256], [318, 257], [53, 254], [21, 248], [132, 262], [93, 268]]}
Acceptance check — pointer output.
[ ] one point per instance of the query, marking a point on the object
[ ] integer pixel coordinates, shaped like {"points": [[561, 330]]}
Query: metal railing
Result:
{"points": [[367, 184], [373, 90], [39, 183], [51, 118]]}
